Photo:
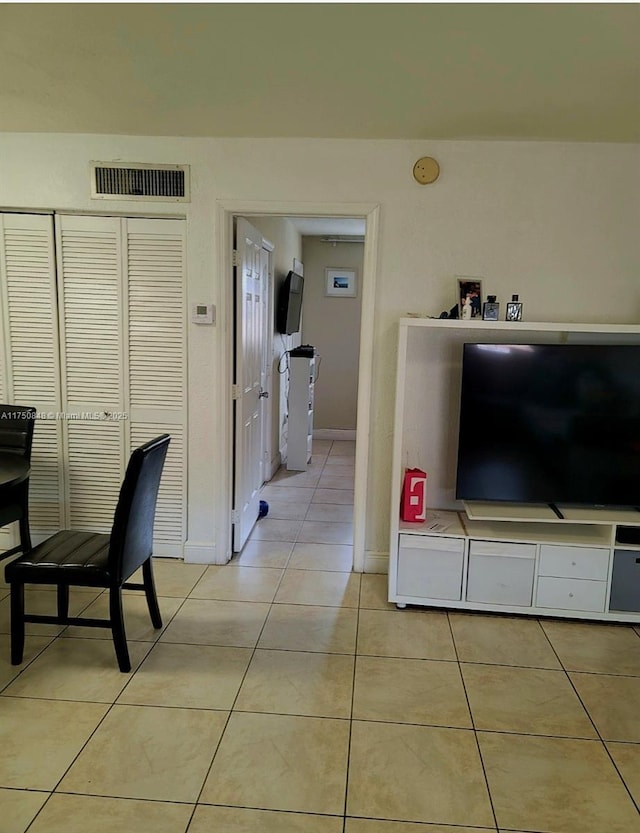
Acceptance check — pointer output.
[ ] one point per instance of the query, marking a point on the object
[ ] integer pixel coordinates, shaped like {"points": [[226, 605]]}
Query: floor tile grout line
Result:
{"points": [[235, 699], [54, 638], [244, 676], [353, 694], [602, 740], [473, 722], [95, 729]]}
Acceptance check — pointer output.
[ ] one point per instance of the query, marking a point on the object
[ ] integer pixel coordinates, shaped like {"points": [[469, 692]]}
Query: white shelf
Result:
{"points": [[541, 533], [426, 435], [486, 511], [529, 326], [301, 385]]}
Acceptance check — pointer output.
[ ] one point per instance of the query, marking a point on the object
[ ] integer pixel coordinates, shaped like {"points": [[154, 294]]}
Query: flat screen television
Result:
{"points": [[550, 424], [289, 306]]}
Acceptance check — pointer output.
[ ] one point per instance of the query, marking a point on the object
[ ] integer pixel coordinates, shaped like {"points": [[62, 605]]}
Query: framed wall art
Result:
{"points": [[340, 283]]}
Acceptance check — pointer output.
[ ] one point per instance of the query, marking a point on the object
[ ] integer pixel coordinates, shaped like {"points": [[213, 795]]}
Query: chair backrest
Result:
{"points": [[16, 429], [132, 531]]}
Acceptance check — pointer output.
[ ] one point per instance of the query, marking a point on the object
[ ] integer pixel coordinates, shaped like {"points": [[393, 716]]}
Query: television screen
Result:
{"points": [[289, 306], [550, 423]]}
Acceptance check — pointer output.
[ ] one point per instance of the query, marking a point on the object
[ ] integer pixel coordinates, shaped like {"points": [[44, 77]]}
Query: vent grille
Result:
{"points": [[140, 182]]}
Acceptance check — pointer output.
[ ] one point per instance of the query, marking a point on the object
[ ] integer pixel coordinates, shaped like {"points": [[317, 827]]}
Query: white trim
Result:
{"points": [[376, 562], [168, 550], [200, 553], [365, 377], [334, 434], [225, 211], [223, 430]]}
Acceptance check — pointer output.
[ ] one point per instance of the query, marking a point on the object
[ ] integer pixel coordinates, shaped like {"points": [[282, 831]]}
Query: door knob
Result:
{"points": [[264, 394]]}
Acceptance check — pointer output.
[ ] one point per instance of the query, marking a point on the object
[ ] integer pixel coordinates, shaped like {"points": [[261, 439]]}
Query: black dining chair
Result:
{"points": [[16, 438], [90, 559]]}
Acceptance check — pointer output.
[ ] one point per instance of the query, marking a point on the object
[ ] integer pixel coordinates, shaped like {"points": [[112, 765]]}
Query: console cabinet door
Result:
{"points": [[430, 567], [625, 582], [501, 573]]}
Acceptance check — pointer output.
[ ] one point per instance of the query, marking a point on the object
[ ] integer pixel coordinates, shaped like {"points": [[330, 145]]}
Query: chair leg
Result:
{"points": [[17, 622], [23, 523], [117, 628], [63, 601], [150, 593], [25, 534]]}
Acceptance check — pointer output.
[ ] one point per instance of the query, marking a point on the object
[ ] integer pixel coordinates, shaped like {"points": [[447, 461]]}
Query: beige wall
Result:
{"points": [[555, 222], [332, 325]]}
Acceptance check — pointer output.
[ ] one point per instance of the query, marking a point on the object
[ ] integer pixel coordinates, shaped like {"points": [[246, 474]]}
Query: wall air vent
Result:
{"points": [[136, 181]]}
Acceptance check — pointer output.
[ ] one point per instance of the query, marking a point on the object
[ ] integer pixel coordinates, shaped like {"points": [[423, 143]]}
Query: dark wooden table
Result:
{"points": [[13, 471]]}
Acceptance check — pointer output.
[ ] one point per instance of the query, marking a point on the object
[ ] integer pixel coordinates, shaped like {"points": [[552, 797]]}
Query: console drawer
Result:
{"points": [[501, 573], [574, 562], [571, 594], [430, 566]]}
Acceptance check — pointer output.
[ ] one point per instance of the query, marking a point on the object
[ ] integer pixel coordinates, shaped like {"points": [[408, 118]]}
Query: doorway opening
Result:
{"points": [[276, 228]]}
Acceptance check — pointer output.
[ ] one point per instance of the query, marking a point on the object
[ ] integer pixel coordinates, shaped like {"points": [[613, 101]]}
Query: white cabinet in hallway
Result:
{"points": [[301, 391]]}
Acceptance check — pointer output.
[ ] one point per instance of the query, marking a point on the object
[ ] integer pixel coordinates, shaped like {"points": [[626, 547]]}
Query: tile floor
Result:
{"points": [[284, 695]]}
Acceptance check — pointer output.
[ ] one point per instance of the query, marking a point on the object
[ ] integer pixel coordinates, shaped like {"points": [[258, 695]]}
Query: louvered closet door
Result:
{"points": [[30, 367], [155, 272], [92, 331]]}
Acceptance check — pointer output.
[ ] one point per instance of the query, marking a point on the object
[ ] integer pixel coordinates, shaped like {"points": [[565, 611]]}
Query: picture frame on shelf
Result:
{"points": [[340, 283], [469, 296]]}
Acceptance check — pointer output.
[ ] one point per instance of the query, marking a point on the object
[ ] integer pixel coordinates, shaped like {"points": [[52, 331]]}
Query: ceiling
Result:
{"points": [[545, 71], [331, 227]]}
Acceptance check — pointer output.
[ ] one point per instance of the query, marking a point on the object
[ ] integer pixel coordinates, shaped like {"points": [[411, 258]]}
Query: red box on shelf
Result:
{"points": [[413, 503]]}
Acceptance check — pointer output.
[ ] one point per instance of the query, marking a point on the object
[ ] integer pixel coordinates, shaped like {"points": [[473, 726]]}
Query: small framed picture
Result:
{"points": [[469, 298], [340, 283]]}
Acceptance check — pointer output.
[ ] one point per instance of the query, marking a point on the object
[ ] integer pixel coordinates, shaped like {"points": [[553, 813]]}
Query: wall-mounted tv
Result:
{"points": [[550, 423], [289, 306]]}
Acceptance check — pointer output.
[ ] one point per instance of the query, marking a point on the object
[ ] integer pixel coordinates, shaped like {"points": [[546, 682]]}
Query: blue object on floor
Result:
{"points": [[264, 509]]}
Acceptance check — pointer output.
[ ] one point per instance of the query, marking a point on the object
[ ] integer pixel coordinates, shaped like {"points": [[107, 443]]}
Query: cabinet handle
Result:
{"points": [[571, 595]]}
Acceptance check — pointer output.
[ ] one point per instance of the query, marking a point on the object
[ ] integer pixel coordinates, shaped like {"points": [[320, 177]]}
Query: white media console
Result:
{"points": [[487, 556]]}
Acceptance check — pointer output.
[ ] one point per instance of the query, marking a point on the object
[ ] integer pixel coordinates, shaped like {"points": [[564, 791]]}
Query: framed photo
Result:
{"points": [[340, 283], [469, 298]]}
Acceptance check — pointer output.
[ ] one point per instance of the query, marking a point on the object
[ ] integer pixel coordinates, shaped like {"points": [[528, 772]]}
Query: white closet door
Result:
{"points": [[31, 370], [155, 280], [92, 329]]}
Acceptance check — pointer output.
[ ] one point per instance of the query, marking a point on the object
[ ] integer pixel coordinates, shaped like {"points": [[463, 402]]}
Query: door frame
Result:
{"points": [[267, 416], [225, 212]]}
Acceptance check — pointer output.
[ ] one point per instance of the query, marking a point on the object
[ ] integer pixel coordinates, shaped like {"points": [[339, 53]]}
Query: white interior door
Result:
{"points": [[249, 348], [266, 260], [30, 356], [92, 328]]}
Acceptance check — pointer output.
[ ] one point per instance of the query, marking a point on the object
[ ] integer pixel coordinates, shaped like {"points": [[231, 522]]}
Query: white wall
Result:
{"points": [[556, 223], [332, 325]]}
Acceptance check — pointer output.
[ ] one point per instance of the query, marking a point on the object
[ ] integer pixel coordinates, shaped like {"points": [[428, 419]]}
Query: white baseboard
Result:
{"points": [[202, 553], [273, 468], [167, 551], [334, 434], [376, 562]]}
